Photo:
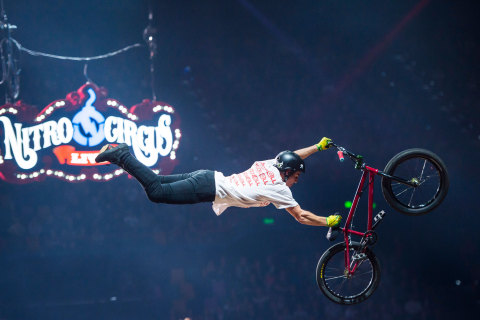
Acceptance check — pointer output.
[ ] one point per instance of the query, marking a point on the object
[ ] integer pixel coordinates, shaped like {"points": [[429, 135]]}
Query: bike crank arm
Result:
{"points": [[370, 237]]}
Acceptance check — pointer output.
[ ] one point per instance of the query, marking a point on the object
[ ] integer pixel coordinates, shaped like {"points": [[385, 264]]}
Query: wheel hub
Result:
{"points": [[415, 181]]}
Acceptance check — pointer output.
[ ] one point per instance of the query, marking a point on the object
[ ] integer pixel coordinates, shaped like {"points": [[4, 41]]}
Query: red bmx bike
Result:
{"points": [[414, 182]]}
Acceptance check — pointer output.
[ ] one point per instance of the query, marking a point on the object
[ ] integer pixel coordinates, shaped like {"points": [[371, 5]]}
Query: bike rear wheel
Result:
{"points": [[427, 170], [339, 286]]}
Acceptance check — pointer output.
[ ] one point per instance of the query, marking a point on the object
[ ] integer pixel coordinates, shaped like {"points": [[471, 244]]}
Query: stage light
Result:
{"points": [[268, 221], [348, 205]]}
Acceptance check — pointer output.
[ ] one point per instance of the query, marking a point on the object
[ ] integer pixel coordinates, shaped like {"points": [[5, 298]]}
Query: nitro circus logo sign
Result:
{"points": [[63, 140]]}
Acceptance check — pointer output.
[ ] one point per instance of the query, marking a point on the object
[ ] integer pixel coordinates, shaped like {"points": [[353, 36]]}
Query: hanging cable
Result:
{"points": [[53, 56], [85, 67], [149, 36], [9, 60]]}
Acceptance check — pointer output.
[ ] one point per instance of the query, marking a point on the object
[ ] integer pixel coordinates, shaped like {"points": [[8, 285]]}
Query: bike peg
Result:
{"points": [[340, 155], [378, 218]]}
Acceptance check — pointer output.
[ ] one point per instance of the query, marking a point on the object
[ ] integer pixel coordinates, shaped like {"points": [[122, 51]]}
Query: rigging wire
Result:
{"points": [[54, 56], [149, 36], [9, 60]]}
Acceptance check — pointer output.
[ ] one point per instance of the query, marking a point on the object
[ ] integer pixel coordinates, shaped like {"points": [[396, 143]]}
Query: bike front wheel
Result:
{"points": [[342, 286], [426, 170]]}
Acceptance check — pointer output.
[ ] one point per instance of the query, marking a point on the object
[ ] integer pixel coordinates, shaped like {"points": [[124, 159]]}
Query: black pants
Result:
{"points": [[187, 188]]}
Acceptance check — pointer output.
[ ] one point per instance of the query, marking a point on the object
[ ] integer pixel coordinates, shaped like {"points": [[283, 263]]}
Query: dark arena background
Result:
{"points": [[247, 79]]}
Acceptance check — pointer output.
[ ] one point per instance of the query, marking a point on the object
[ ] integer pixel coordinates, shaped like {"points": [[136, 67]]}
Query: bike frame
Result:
{"points": [[370, 173]]}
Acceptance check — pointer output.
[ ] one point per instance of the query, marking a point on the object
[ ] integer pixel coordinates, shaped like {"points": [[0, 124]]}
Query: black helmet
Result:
{"points": [[288, 162]]}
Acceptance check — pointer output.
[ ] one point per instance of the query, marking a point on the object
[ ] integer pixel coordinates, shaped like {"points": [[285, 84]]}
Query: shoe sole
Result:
{"points": [[104, 148]]}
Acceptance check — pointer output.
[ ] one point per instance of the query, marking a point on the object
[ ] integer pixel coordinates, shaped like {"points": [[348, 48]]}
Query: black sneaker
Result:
{"points": [[111, 153]]}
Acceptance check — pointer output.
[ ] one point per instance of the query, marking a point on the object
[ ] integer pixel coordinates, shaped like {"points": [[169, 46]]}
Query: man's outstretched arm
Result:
{"points": [[308, 151], [311, 219]]}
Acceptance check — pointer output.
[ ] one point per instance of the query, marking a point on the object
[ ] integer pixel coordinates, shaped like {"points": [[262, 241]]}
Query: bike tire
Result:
{"points": [[428, 169], [331, 267]]}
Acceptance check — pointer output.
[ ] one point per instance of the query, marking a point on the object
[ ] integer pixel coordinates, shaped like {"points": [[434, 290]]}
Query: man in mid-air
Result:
{"points": [[266, 182]]}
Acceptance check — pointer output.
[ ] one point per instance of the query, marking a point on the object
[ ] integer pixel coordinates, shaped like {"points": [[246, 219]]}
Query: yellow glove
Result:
{"points": [[323, 144], [333, 220]]}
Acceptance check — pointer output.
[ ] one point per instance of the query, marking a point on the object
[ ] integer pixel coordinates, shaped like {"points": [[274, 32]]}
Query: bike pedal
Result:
{"points": [[358, 257], [333, 233]]}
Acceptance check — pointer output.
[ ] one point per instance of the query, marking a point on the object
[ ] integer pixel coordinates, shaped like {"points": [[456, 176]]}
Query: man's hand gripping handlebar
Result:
{"points": [[333, 222], [324, 144]]}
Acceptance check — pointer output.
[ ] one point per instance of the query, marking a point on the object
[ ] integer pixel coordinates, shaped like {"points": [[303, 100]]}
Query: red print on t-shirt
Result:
{"points": [[264, 178], [249, 180], [234, 180], [255, 178], [241, 180], [271, 175], [255, 175]]}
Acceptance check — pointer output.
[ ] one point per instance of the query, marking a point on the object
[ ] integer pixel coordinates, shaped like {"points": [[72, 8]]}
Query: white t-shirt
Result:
{"points": [[257, 187]]}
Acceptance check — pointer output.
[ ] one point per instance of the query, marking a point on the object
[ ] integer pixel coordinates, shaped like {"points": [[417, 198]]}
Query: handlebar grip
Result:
{"points": [[340, 155]]}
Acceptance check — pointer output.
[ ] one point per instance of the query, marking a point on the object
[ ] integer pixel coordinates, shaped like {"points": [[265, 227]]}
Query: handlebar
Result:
{"points": [[340, 155], [360, 165], [356, 158]]}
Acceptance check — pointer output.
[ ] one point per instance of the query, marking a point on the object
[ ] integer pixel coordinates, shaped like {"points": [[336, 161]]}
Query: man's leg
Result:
{"points": [[174, 177], [195, 187], [198, 186]]}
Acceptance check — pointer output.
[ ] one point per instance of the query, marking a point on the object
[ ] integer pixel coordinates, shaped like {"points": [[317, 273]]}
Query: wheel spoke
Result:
{"points": [[411, 197], [334, 269], [403, 191], [424, 163], [429, 178], [341, 285], [332, 278], [364, 273]]}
